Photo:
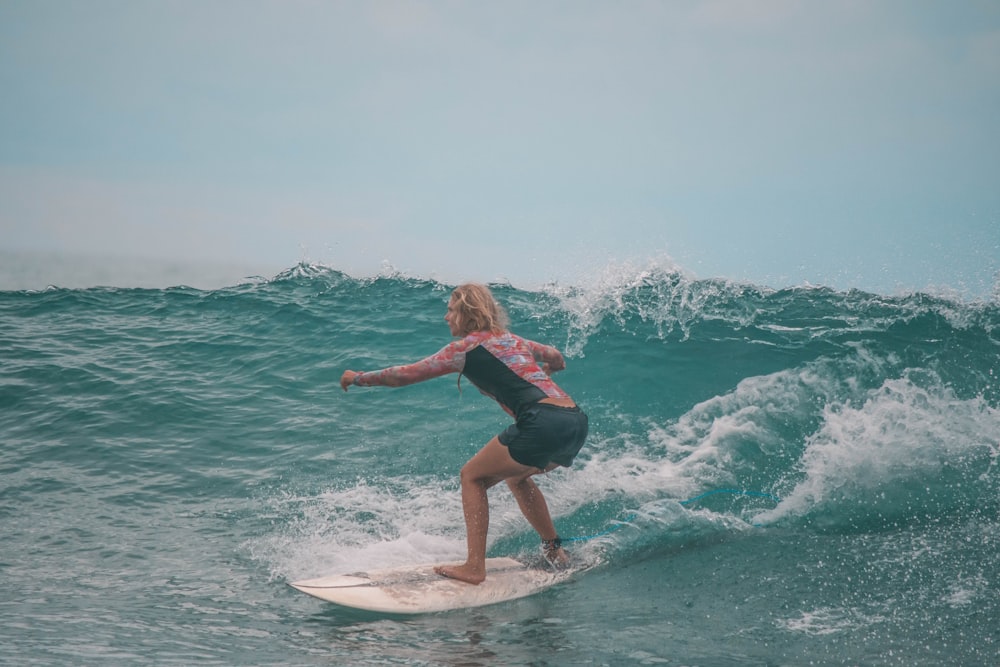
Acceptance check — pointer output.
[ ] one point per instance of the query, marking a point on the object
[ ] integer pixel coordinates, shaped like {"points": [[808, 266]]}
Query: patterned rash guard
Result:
{"points": [[503, 366]]}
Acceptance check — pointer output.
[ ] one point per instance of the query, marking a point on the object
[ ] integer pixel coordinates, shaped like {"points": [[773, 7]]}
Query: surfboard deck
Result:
{"points": [[418, 589]]}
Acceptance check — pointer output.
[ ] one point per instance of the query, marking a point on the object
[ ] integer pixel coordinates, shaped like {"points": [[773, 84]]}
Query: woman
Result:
{"points": [[548, 431]]}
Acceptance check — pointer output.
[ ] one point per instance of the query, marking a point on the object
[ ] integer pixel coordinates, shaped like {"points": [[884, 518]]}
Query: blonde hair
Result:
{"points": [[477, 310]]}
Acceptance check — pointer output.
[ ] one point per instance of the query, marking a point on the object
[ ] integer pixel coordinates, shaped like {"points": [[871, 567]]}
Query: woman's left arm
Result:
{"points": [[551, 358]]}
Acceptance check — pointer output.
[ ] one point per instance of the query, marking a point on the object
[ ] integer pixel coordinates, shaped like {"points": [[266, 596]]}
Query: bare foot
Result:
{"points": [[464, 572], [558, 557]]}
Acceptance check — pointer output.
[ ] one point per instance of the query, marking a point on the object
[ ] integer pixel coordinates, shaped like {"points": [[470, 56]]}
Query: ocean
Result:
{"points": [[798, 476]]}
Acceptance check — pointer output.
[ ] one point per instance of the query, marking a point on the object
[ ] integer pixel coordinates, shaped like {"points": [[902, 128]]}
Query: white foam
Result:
{"points": [[609, 293], [726, 436], [826, 621], [394, 522], [965, 591], [903, 436], [367, 525]]}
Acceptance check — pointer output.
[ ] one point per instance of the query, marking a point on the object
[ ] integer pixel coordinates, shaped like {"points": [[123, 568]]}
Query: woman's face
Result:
{"points": [[453, 318]]}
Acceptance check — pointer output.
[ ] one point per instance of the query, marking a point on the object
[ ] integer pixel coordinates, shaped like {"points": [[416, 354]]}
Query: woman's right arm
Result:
{"points": [[450, 359]]}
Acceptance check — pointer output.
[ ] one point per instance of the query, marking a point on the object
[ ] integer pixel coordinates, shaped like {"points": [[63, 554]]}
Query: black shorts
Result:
{"points": [[544, 434]]}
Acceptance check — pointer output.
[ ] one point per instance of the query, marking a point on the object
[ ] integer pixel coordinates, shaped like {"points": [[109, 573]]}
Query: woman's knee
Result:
{"points": [[468, 473], [520, 481], [474, 474]]}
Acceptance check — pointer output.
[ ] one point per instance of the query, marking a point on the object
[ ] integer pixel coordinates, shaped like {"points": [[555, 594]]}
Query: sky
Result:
{"points": [[849, 143]]}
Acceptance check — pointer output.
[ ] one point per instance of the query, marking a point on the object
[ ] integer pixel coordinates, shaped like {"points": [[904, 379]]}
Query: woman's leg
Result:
{"points": [[489, 466], [536, 511], [532, 503]]}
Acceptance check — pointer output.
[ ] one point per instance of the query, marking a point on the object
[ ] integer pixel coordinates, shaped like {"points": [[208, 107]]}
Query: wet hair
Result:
{"points": [[477, 310]]}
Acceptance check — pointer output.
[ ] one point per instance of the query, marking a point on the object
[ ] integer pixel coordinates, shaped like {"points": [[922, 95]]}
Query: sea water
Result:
{"points": [[773, 477]]}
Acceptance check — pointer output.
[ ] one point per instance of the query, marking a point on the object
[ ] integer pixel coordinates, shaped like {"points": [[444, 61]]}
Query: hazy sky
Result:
{"points": [[850, 143]]}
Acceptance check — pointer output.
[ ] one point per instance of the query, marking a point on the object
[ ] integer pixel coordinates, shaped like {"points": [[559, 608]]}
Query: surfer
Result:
{"points": [[548, 430]]}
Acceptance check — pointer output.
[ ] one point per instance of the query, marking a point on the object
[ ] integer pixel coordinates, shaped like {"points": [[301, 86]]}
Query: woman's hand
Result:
{"points": [[554, 365], [347, 379]]}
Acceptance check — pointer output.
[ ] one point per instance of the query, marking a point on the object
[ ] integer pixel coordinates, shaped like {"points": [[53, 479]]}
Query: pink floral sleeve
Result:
{"points": [[450, 359], [546, 354]]}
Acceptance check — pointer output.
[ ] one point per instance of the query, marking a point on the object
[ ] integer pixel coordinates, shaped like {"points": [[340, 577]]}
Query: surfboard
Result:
{"points": [[418, 589]]}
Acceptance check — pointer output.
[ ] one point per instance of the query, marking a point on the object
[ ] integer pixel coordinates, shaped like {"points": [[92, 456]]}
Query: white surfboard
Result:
{"points": [[418, 589]]}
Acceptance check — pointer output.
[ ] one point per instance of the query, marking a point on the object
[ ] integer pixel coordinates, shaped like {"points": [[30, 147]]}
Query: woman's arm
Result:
{"points": [[450, 359], [551, 358]]}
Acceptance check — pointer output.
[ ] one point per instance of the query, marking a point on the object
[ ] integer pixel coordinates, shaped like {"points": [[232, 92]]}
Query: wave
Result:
{"points": [[861, 412]]}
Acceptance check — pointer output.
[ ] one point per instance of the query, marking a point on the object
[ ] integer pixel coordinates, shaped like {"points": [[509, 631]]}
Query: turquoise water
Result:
{"points": [[172, 457]]}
